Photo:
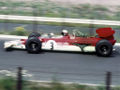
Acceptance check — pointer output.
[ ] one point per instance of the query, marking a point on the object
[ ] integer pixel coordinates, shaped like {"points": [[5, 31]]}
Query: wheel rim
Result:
{"points": [[104, 49], [34, 46]]}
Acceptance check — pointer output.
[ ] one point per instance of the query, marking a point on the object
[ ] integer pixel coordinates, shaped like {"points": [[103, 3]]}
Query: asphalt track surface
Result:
{"points": [[64, 66]]}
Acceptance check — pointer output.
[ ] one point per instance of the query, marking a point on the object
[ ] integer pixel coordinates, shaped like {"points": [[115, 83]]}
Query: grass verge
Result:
{"points": [[9, 83]]}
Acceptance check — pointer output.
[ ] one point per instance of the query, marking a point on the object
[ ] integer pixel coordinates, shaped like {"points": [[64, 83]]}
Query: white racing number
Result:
{"points": [[50, 44]]}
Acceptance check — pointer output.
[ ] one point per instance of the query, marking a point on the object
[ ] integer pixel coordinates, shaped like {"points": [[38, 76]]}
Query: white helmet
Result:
{"points": [[64, 32], [51, 34]]}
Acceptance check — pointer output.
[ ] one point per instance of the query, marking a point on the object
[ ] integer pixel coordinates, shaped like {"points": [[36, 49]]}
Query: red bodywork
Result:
{"points": [[103, 33]]}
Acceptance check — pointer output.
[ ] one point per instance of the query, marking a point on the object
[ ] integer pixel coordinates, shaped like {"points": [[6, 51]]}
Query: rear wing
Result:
{"points": [[105, 32]]}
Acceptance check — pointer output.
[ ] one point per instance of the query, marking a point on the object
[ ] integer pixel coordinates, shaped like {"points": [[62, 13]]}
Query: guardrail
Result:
{"points": [[60, 20]]}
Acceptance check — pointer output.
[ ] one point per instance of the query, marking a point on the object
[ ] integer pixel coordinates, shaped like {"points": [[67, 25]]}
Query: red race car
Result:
{"points": [[102, 43]]}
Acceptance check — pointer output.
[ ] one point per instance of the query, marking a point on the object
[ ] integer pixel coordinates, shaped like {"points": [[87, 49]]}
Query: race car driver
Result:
{"points": [[64, 32]]}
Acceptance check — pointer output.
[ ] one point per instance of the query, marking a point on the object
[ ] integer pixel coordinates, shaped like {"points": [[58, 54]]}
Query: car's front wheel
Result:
{"points": [[34, 34], [8, 49], [33, 45], [104, 48]]}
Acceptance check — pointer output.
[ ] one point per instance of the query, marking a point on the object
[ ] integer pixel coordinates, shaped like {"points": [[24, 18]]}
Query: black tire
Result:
{"points": [[104, 48], [33, 45], [8, 49], [34, 34]]}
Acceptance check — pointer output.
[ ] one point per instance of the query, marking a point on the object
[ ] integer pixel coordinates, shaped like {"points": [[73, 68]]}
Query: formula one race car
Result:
{"points": [[102, 43]]}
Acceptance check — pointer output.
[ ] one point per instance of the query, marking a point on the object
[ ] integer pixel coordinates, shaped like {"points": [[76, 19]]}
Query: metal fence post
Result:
{"points": [[6, 22], [35, 23], [108, 81], [19, 78], [91, 29]]}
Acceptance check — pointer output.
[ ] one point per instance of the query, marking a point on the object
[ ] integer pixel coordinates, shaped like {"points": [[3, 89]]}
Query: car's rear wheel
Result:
{"points": [[104, 48], [34, 34], [33, 45]]}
